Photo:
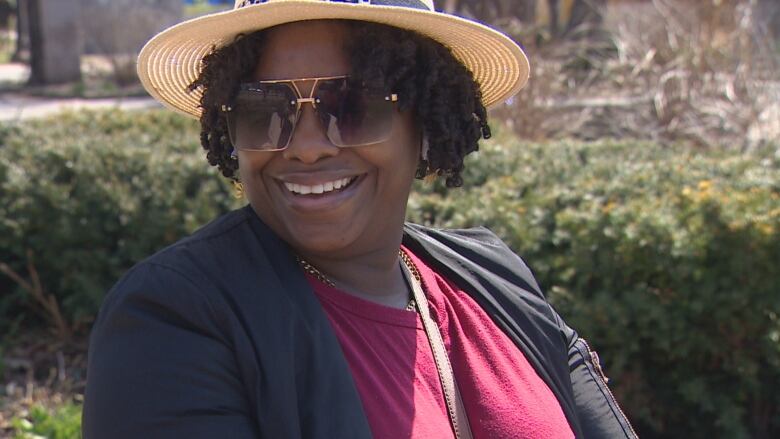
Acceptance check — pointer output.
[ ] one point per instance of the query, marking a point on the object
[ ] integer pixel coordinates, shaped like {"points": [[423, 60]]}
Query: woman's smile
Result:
{"points": [[320, 188], [314, 192]]}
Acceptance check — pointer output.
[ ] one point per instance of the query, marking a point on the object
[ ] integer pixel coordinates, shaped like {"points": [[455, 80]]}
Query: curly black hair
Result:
{"points": [[425, 75]]}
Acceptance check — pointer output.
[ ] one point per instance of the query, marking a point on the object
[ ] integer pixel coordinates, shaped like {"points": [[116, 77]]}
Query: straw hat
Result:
{"points": [[171, 60]]}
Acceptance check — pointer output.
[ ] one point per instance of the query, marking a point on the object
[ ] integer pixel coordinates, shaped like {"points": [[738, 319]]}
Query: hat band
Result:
{"points": [[415, 4]]}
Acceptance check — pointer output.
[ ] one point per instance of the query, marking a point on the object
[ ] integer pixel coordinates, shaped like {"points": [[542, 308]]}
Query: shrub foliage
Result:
{"points": [[61, 422], [664, 257], [90, 194]]}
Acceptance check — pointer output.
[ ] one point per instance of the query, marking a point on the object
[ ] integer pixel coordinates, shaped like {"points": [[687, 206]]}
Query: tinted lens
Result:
{"points": [[262, 117], [353, 115]]}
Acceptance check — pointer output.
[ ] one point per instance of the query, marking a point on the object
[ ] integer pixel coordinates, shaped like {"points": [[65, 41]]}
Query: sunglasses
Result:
{"points": [[263, 115]]}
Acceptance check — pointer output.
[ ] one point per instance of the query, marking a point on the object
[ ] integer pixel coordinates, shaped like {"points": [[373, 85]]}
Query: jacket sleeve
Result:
{"points": [[160, 365], [599, 414]]}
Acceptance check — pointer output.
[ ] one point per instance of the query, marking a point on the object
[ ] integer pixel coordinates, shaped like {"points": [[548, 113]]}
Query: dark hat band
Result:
{"points": [[415, 4]]}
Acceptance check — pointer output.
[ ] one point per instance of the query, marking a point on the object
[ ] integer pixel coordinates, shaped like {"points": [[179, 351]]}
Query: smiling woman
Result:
{"points": [[366, 215], [316, 311]]}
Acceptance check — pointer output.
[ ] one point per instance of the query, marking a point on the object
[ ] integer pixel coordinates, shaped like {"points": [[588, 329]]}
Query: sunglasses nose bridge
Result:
{"points": [[312, 101], [308, 123], [309, 142]]}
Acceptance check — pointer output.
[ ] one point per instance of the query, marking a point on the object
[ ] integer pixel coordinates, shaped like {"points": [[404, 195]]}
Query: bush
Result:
{"points": [[90, 194], [665, 258], [64, 422]]}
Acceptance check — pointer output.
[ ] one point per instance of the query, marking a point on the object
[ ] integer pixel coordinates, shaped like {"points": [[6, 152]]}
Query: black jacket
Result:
{"points": [[220, 335]]}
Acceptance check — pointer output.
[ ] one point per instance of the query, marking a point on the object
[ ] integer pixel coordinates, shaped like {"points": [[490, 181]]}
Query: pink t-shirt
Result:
{"points": [[393, 368]]}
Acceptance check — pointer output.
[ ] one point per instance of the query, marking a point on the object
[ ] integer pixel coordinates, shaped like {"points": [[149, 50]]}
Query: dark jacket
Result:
{"points": [[220, 335]]}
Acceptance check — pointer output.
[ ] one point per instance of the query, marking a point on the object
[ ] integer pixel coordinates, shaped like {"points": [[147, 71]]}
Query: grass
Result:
{"points": [[60, 422]]}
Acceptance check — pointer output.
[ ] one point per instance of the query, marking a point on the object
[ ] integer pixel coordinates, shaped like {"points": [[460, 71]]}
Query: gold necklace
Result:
{"points": [[307, 267]]}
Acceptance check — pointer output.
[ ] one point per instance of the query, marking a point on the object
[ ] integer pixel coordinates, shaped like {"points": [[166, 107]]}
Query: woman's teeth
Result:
{"points": [[330, 186]]}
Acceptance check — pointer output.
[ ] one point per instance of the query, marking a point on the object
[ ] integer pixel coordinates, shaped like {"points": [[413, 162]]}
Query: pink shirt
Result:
{"points": [[391, 362]]}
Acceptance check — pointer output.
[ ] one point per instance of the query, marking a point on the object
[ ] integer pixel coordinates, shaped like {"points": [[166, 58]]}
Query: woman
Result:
{"points": [[316, 311]]}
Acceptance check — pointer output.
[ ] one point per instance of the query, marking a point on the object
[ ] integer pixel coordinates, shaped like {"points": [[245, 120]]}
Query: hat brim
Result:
{"points": [[171, 61]]}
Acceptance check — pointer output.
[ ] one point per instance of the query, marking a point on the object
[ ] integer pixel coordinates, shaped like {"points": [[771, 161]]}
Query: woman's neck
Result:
{"points": [[375, 276]]}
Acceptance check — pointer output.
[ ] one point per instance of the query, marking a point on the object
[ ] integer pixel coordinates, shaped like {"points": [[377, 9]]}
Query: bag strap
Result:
{"points": [[455, 408]]}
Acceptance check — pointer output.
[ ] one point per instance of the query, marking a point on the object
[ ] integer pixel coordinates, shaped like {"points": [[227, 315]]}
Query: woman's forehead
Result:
{"points": [[304, 49]]}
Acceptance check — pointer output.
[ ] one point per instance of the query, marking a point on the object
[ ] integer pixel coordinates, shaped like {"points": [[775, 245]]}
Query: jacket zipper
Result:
{"points": [[594, 358]]}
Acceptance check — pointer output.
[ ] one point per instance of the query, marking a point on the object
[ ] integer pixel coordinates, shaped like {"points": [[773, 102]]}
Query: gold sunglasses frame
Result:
{"points": [[299, 101]]}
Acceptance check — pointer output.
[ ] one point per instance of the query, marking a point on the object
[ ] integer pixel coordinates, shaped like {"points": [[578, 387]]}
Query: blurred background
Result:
{"points": [[638, 174]]}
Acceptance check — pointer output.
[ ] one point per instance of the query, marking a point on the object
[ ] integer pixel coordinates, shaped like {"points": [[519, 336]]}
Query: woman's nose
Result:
{"points": [[309, 142]]}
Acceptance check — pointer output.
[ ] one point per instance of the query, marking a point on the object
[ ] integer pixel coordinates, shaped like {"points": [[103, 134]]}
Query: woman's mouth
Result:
{"points": [[321, 188], [321, 196]]}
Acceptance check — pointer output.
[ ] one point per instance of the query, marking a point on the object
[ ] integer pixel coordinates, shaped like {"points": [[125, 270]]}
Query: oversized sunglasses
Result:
{"points": [[263, 115]]}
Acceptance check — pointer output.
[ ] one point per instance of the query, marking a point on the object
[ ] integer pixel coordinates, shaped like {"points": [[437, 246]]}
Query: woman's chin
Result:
{"points": [[322, 238]]}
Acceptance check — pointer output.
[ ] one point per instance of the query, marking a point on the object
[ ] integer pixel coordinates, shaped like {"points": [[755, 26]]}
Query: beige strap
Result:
{"points": [[457, 412]]}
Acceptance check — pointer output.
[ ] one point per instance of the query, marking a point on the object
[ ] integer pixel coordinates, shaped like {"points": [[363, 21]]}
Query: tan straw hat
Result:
{"points": [[172, 59]]}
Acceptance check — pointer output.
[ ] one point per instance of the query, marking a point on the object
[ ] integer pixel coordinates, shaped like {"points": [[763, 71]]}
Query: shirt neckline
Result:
{"points": [[363, 308]]}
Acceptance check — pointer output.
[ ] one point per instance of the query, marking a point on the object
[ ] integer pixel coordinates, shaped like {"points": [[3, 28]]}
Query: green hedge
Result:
{"points": [[665, 258], [92, 193]]}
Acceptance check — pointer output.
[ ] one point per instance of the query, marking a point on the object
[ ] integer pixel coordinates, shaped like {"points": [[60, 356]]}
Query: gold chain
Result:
{"points": [[410, 265], [307, 267]]}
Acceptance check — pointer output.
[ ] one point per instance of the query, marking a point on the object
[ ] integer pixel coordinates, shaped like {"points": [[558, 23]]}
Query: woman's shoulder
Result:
{"points": [[478, 245], [209, 245], [183, 271], [208, 242]]}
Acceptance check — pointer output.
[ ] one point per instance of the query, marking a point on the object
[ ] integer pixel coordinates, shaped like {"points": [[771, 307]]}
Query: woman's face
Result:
{"points": [[363, 217]]}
